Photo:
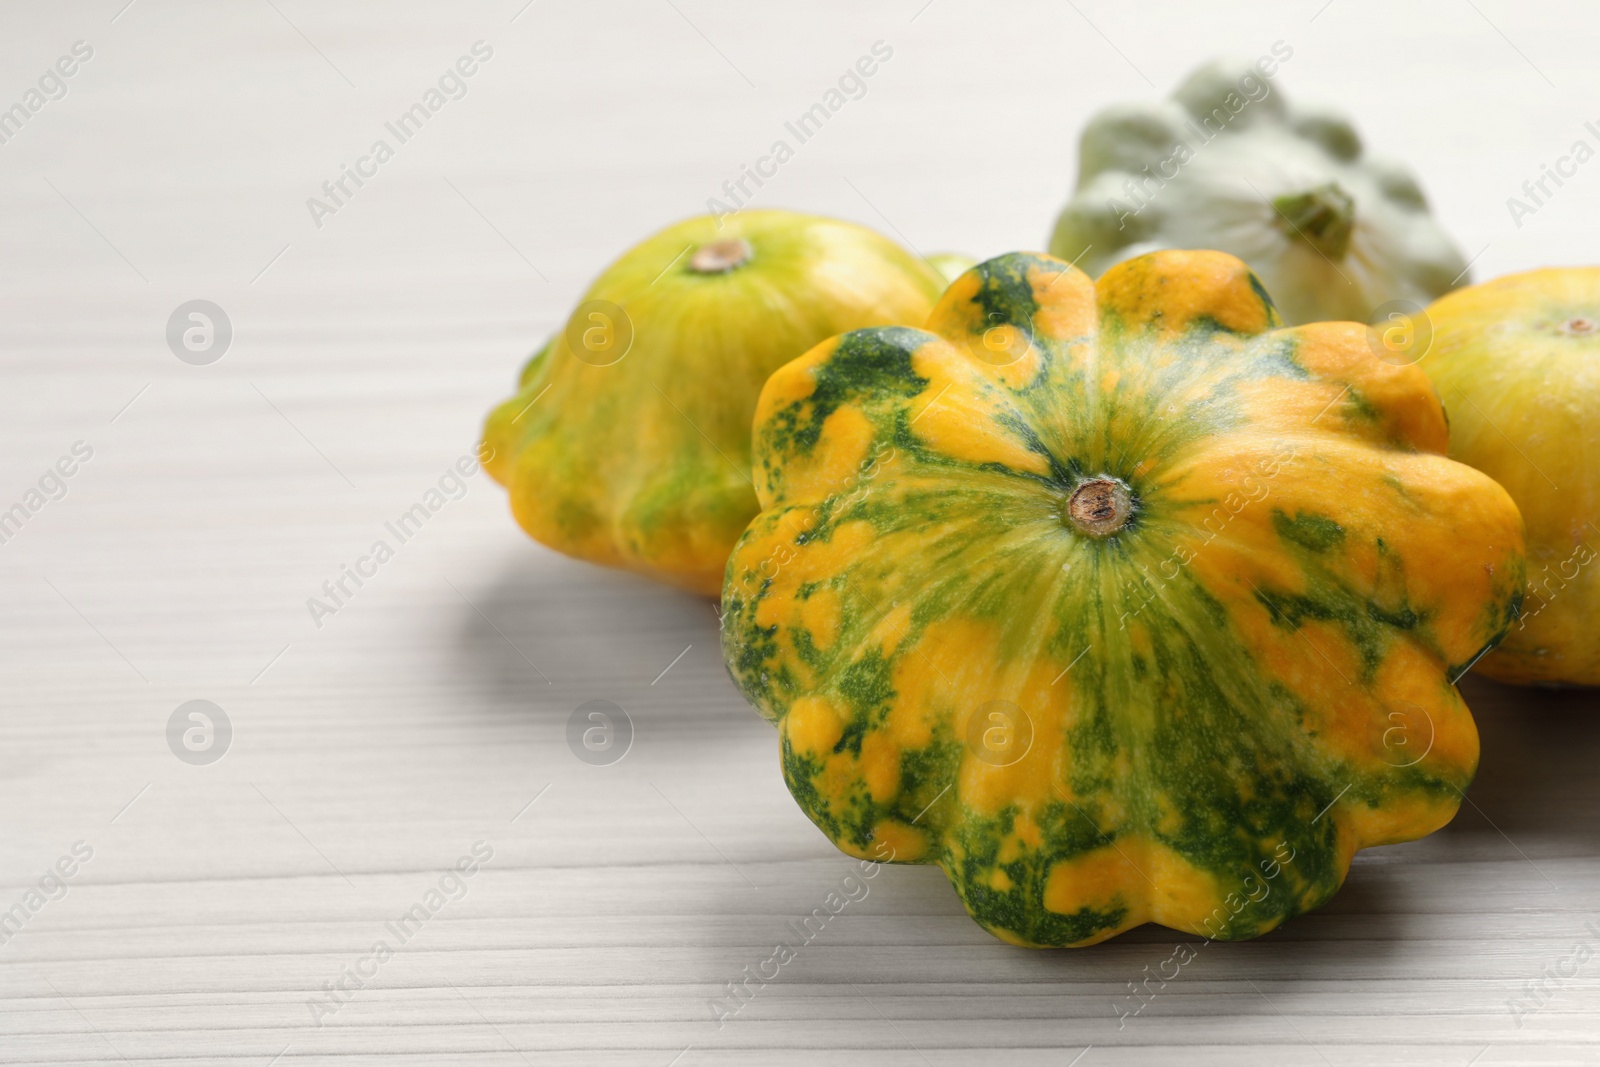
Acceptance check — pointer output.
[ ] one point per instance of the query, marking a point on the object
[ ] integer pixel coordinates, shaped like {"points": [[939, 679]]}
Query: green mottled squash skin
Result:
{"points": [[1119, 601]]}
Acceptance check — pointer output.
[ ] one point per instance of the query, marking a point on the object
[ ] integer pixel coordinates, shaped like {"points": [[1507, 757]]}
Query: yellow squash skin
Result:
{"points": [[1190, 704], [628, 441], [1517, 362]]}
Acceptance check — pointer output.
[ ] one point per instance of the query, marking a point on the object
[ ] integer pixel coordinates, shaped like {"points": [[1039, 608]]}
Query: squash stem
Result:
{"points": [[1100, 506], [1323, 218], [719, 257]]}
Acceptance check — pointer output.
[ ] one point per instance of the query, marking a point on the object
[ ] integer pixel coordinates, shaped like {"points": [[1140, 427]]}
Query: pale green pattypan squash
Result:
{"points": [[1229, 164]]}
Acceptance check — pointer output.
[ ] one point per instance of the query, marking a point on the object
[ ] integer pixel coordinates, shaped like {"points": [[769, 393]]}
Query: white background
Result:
{"points": [[369, 754]]}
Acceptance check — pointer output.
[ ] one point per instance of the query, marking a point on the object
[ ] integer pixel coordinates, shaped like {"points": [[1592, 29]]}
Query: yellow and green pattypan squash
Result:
{"points": [[1517, 362], [1228, 164], [628, 441], [1119, 601]]}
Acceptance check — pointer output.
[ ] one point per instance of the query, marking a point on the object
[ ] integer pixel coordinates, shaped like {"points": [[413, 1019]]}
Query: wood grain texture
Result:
{"points": [[371, 753]]}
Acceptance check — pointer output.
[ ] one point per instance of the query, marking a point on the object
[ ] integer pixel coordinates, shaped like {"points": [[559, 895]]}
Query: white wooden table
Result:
{"points": [[430, 712]]}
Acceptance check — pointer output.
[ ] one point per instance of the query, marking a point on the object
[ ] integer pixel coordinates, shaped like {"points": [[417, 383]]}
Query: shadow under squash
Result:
{"points": [[1538, 780], [557, 631]]}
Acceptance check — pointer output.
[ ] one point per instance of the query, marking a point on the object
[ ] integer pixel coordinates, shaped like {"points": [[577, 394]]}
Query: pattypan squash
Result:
{"points": [[1517, 362], [1117, 600], [1228, 164], [628, 440]]}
